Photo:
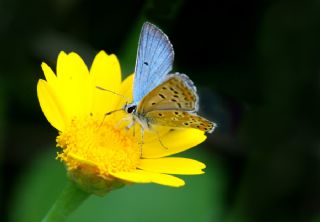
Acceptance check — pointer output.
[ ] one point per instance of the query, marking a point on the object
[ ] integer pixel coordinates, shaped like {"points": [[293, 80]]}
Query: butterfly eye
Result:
{"points": [[131, 109]]}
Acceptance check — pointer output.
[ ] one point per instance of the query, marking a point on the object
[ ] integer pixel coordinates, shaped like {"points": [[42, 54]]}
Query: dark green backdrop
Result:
{"points": [[257, 68]]}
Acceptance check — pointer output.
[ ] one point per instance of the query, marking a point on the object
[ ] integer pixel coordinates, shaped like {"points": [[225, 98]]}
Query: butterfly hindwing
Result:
{"points": [[180, 119], [154, 60], [176, 92]]}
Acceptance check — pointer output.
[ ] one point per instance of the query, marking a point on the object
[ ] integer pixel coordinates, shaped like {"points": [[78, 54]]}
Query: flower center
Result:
{"points": [[103, 146]]}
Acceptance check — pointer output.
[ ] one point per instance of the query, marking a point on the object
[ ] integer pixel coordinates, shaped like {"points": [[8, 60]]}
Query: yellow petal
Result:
{"points": [[62, 59], [106, 74], [49, 74], [141, 176], [50, 105], [172, 165], [75, 84], [126, 90], [70, 66], [173, 142]]}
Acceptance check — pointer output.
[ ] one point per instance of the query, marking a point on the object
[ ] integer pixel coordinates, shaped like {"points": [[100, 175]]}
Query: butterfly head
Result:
{"points": [[130, 108]]}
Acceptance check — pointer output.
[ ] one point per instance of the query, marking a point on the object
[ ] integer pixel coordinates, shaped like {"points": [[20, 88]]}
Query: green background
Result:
{"points": [[257, 68]]}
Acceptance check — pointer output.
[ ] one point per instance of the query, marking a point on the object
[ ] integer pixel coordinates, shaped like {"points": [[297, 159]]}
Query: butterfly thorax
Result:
{"points": [[132, 109]]}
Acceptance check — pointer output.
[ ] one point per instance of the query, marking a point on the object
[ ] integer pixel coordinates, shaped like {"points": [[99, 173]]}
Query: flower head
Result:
{"points": [[100, 153]]}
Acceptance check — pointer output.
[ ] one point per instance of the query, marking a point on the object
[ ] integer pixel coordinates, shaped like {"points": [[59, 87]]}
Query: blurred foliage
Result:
{"points": [[132, 203], [256, 64]]}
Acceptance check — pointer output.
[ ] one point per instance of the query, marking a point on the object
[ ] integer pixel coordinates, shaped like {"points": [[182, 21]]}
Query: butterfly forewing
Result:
{"points": [[154, 60], [160, 98], [180, 119], [176, 92]]}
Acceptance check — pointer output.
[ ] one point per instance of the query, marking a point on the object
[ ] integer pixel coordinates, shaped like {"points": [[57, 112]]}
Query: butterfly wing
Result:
{"points": [[173, 103], [177, 91], [181, 119], [154, 60]]}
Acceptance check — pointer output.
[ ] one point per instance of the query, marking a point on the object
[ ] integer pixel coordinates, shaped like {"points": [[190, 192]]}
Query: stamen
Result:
{"points": [[87, 142]]}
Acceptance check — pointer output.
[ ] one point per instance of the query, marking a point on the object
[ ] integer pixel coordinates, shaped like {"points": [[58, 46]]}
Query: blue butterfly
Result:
{"points": [[160, 98]]}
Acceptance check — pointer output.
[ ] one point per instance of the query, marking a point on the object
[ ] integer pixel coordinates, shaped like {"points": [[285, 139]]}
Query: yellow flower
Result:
{"points": [[98, 151]]}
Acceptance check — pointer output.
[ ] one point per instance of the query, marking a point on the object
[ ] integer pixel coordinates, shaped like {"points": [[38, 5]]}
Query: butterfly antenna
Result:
{"points": [[107, 114], [118, 94]]}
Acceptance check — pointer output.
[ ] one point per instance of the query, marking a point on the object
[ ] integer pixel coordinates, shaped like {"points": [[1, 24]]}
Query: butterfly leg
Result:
{"points": [[161, 141], [121, 120], [142, 140], [134, 130], [131, 124]]}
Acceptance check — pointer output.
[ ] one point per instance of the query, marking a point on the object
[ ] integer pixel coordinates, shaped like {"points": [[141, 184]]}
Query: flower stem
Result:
{"points": [[68, 201]]}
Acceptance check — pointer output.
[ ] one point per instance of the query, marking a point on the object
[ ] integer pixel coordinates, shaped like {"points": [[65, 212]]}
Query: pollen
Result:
{"points": [[100, 145]]}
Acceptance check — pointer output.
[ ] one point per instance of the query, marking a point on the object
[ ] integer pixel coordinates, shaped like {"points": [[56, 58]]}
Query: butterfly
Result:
{"points": [[159, 97]]}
